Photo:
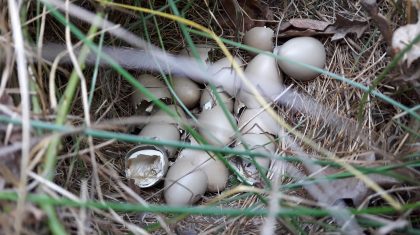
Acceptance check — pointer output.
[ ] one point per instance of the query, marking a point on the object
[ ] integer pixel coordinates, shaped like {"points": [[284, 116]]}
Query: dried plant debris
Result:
{"points": [[381, 21], [354, 189], [405, 35], [246, 13], [310, 27]]}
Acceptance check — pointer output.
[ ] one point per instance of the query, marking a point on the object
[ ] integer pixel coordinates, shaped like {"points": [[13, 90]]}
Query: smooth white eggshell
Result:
{"points": [[262, 72], [188, 91], [202, 49], [162, 117], [260, 38], [154, 85], [305, 50], [208, 99], [224, 76], [216, 171], [162, 131], [263, 143], [257, 122], [215, 126], [184, 184]]}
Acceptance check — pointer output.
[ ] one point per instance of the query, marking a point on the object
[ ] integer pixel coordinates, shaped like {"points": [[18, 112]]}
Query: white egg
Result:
{"points": [[188, 91], [208, 99], [262, 72], [184, 184], [224, 76], [146, 165], [258, 121], [260, 38], [162, 131], [215, 126], [216, 171], [305, 50], [163, 117], [154, 85], [263, 143], [202, 49]]}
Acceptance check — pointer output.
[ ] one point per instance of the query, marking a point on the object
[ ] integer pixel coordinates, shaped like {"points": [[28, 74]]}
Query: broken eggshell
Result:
{"points": [[258, 121], [262, 143], [188, 91], [306, 50], [260, 38], [208, 99], [263, 73], [162, 131], [155, 86], [215, 126], [146, 165], [184, 184], [216, 171]]}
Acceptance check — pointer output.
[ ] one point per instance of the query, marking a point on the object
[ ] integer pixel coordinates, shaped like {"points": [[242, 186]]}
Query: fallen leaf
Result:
{"points": [[310, 27], [404, 36], [309, 24], [384, 26], [353, 188], [343, 26], [249, 13]]}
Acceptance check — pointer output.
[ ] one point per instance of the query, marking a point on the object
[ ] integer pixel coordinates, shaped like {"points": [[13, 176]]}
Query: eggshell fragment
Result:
{"points": [[305, 50], [184, 184], [154, 85], [208, 99], [162, 131], [216, 171], [187, 91], [215, 126], [262, 72], [258, 121], [260, 38], [146, 165]]}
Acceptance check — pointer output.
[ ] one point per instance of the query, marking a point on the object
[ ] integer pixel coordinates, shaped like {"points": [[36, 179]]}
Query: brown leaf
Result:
{"points": [[353, 188], [249, 13], [309, 24], [343, 26], [383, 24]]}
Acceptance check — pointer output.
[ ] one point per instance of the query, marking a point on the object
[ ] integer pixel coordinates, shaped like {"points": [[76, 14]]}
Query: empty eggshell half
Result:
{"points": [[188, 91], [184, 184], [154, 85], [162, 131], [208, 99], [216, 171], [258, 121], [262, 72], [260, 38], [305, 50], [146, 165], [215, 126]]}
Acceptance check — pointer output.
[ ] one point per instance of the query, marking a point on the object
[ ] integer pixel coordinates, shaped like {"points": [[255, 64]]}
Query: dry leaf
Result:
{"points": [[309, 27], [384, 26], [250, 13], [309, 24], [402, 37], [343, 26], [353, 188]]}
